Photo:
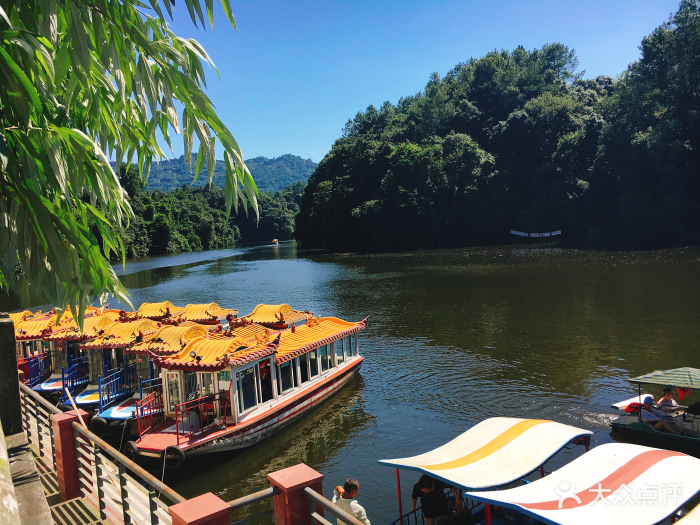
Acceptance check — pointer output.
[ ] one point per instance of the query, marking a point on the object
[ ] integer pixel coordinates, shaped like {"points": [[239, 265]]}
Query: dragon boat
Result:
{"points": [[230, 390]]}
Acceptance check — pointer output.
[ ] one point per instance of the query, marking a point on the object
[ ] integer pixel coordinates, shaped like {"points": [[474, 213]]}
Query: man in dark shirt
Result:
{"points": [[433, 499]]}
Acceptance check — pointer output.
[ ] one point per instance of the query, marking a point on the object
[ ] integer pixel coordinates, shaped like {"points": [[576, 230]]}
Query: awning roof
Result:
{"points": [[212, 355], [92, 327], [679, 377], [169, 340], [666, 478], [493, 453], [270, 314], [318, 331], [205, 312], [121, 335], [159, 310]]}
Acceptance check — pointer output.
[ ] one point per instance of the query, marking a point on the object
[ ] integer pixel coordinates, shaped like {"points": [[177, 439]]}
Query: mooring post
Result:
{"points": [[291, 504], [207, 509], [10, 408]]}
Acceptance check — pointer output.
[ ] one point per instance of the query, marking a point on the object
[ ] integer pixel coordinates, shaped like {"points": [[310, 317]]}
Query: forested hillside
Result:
{"points": [[190, 219], [520, 140], [270, 175]]}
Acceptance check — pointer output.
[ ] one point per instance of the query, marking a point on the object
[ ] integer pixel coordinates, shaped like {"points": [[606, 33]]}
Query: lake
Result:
{"points": [[454, 336]]}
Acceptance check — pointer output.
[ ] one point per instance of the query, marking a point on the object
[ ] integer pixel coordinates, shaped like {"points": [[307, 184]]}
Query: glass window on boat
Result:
{"points": [[287, 373], [304, 367], [313, 362], [189, 381], [247, 389], [265, 372], [353, 344], [339, 356], [324, 357], [172, 380], [206, 385]]}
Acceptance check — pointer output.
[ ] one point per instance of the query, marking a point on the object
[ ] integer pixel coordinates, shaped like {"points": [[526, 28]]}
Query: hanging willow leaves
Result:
{"points": [[82, 81]]}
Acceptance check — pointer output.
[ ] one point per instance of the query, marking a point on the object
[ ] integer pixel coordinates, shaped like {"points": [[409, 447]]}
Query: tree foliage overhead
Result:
{"points": [[520, 140], [80, 81]]}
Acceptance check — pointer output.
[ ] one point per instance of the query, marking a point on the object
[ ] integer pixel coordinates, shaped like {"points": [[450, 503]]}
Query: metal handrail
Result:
{"points": [[254, 497], [135, 468], [218, 401], [316, 498], [44, 403]]}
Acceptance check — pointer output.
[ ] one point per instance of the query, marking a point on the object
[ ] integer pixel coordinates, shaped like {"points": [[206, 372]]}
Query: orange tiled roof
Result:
{"points": [[215, 354], [169, 340], [271, 314], [34, 329], [205, 312], [318, 331], [121, 335], [159, 310], [92, 327], [23, 316]]}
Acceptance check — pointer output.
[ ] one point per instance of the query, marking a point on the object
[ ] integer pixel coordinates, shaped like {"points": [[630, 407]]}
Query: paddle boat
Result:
{"points": [[223, 393], [492, 454], [686, 420], [274, 316]]}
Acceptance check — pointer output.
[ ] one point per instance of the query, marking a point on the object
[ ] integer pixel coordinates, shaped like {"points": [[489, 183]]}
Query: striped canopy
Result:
{"points": [[612, 484], [493, 453], [679, 377]]}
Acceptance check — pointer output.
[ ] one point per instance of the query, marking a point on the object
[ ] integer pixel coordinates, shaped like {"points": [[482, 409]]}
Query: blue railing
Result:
{"points": [[75, 376], [39, 368], [148, 385], [121, 382]]}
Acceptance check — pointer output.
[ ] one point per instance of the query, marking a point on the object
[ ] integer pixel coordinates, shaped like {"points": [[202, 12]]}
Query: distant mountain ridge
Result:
{"points": [[270, 175]]}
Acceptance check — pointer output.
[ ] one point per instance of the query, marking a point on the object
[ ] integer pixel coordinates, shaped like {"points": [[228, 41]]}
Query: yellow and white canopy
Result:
{"points": [[493, 453], [612, 484]]}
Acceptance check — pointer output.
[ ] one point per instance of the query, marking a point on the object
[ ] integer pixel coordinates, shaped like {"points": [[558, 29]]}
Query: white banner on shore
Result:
{"points": [[545, 234]]}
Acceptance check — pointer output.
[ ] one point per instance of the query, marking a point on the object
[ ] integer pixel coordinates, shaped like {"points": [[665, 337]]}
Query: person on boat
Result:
{"points": [[433, 499], [656, 417], [344, 498], [667, 403]]}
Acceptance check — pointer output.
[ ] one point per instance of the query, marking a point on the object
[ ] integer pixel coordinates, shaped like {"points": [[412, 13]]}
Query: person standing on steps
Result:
{"points": [[344, 498]]}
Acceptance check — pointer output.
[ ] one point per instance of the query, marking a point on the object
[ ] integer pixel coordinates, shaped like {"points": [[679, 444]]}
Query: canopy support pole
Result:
{"points": [[398, 489], [541, 471], [487, 513], [639, 386]]}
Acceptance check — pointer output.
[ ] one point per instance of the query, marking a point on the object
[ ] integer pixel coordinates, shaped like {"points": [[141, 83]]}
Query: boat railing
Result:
{"points": [[119, 383], [39, 367], [415, 517], [149, 411], [75, 376], [196, 416], [316, 500], [149, 385], [23, 365]]}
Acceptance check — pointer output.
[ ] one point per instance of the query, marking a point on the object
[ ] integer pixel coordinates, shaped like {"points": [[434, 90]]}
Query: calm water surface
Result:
{"points": [[454, 336]]}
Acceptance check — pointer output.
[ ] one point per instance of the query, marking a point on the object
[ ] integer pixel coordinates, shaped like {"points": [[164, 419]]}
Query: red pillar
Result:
{"points": [[206, 509], [66, 456], [291, 505]]}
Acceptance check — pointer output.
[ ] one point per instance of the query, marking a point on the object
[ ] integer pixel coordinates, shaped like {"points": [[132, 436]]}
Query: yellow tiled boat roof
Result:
{"points": [[23, 316], [205, 312], [318, 331], [214, 354], [159, 310], [92, 327], [121, 335], [34, 329], [169, 340], [270, 314]]}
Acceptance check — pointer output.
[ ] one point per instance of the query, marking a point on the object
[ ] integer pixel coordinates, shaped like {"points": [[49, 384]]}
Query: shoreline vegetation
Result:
{"points": [[520, 140]]}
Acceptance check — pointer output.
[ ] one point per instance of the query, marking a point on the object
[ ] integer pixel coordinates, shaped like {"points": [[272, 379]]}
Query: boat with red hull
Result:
{"points": [[232, 392]]}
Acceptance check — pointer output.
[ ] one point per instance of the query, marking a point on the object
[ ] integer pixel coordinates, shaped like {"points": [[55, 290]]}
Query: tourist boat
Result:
{"points": [[491, 461], [630, 423], [223, 393], [274, 316]]}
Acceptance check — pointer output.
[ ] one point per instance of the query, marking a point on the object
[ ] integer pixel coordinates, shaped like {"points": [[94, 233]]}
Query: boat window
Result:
{"points": [[304, 368], [353, 343], [265, 381], [206, 385], [246, 389], [324, 357], [339, 357], [190, 383], [173, 387], [313, 362], [286, 376]]}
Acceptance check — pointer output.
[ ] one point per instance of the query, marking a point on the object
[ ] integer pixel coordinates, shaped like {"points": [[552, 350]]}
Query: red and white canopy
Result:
{"points": [[612, 484]]}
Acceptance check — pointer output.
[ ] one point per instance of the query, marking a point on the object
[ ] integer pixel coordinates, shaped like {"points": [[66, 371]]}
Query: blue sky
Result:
{"points": [[295, 72]]}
